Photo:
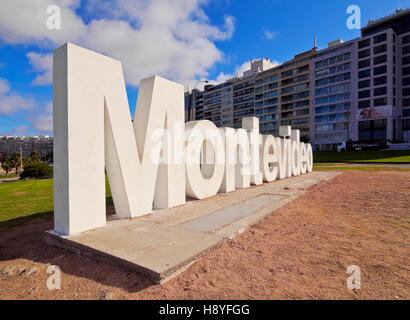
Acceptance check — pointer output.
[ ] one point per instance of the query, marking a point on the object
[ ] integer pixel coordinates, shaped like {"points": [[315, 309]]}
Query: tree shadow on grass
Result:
{"points": [[8, 224], [23, 238]]}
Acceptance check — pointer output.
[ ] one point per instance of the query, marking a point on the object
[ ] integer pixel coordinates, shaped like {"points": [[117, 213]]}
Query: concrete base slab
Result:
{"points": [[165, 242]]}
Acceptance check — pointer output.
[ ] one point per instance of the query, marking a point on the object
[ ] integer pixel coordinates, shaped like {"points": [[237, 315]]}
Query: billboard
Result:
{"points": [[375, 113]]}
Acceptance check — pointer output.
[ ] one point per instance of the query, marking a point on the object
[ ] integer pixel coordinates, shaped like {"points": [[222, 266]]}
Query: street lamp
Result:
{"points": [[191, 99]]}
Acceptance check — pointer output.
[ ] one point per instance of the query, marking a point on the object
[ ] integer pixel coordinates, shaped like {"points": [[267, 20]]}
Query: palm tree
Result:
{"points": [[7, 164], [35, 157], [17, 161]]}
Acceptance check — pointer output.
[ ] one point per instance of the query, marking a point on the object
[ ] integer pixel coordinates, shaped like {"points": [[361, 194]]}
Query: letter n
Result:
{"points": [[93, 131]]}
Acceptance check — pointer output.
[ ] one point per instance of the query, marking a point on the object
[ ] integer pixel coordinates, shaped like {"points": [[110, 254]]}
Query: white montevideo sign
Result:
{"points": [[155, 161]]}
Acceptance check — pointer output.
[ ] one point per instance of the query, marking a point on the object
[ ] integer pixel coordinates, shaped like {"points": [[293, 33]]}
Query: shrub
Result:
{"points": [[37, 170]]}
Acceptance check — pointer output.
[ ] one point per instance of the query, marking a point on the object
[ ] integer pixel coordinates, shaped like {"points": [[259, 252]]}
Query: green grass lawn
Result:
{"points": [[368, 169], [24, 200], [363, 157]]}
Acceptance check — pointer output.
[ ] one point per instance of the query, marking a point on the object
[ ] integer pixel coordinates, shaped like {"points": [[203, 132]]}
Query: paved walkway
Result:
{"points": [[165, 242], [9, 179]]}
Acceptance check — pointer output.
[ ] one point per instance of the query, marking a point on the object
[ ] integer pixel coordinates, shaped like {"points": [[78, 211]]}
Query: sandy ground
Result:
{"points": [[300, 251]]}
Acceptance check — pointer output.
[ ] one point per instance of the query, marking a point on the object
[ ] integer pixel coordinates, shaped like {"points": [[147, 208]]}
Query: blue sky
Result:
{"points": [[199, 40]]}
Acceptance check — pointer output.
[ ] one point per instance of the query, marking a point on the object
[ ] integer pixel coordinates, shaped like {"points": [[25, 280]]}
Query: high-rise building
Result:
{"points": [[334, 74], [384, 78], [358, 90], [277, 95], [10, 145]]}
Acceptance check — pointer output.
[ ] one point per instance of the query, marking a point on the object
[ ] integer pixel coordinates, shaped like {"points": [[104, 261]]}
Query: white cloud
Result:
{"points": [[25, 21], [4, 86], [43, 120], [270, 35], [49, 107], [20, 130], [172, 38], [239, 70], [43, 123], [44, 65], [10, 101]]}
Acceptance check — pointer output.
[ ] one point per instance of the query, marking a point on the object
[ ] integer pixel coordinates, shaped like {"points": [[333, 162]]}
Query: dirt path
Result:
{"points": [[300, 251]]}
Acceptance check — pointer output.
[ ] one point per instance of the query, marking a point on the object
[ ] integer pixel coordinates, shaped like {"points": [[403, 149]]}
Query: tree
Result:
{"points": [[17, 161], [37, 170], [35, 157], [7, 164]]}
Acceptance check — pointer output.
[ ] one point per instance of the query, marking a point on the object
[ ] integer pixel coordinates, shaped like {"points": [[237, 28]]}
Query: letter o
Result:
{"points": [[196, 133], [295, 159], [303, 159], [309, 157]]}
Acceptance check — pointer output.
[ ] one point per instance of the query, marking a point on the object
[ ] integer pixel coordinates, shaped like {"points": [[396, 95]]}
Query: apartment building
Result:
{"points": [[10, 145], [378, 106], [277, 95], [334, 73], [359, 90], [296, 94]]}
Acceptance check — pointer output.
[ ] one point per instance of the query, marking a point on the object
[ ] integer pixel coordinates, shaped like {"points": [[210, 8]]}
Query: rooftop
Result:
{"points": [[398, 14]]}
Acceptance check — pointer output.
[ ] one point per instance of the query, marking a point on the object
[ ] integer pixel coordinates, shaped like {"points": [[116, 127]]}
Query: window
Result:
{"points": [[334, 79], [298, 87], [364, 94], [380, 38], [372, 130], [271, 94], [406, 50], [380, 102], [406, 92], [333, 108], [380, 91], [364, 64], [406, 71], [406, 102], [380, 70], [333, 60], [333, 70], [364, 74], [271, 86], [302, 112], [380, 49], [331, 117], [380, 59], [295, 71], [364, 84], [364, 53], [406, 39], [295, 79], [270, 79], [380, 80], [333, 98], [364, 43], [295, 96], [406, 60], [406, 81], [364, 104]]}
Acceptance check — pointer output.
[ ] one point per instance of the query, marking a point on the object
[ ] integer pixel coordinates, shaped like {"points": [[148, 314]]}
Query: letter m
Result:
{"points": [[94, 133]]}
